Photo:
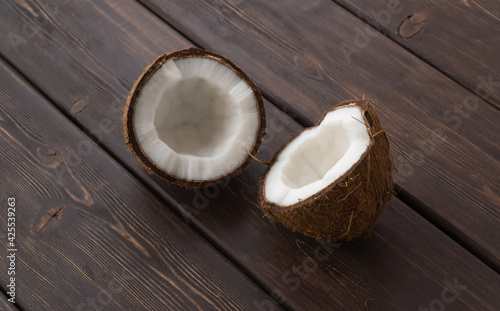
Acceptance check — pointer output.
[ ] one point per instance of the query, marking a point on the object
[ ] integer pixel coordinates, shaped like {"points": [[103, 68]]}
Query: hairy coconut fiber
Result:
{"points": [[130, 134], [350, 206]]}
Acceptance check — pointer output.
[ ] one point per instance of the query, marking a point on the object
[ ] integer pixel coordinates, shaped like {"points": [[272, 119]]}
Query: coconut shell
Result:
{"points": [[350, 206], [132, 142]]}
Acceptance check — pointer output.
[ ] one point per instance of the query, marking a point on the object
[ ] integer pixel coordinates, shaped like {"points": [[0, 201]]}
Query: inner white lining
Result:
{"points": [[318, 157], [194, 116]]}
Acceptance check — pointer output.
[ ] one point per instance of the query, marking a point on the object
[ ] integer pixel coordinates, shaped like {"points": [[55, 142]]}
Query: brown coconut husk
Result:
{"points": [[132, 142], [353, 204]]}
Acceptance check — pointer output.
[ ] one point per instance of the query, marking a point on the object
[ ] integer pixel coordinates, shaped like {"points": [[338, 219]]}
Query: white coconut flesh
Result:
{"points": [[317, 157], [194, 116]]}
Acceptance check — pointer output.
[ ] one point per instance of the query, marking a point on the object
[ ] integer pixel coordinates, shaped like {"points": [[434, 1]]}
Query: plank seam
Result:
{"points": [[401, 193], [15, 306], [181, 215], [441, 224], [382, 31]]}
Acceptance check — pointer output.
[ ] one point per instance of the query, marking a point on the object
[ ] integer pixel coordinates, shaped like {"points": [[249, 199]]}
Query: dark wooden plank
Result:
{"points": [[294, 51], [6, 305], [404, 265], [459, 38], [228, 213], [88, 235]]}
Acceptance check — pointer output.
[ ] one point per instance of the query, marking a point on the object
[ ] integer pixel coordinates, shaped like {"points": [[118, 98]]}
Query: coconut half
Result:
{"points": [[333, 180], [192, 116]]}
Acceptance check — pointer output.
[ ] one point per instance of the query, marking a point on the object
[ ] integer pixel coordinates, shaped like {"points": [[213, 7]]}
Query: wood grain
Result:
{"points": [[295, 53], [459, 38], [88, 235], [403, 265], [6, 305]]}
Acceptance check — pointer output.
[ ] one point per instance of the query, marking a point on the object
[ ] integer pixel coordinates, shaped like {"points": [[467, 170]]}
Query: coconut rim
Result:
{"points": [[362, 105], [130, 135]]}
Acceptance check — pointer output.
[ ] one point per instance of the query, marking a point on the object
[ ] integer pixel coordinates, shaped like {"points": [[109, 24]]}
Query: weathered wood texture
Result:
{"points": [[459, 38], [403, 265], [5, 305], [294, 51], [89, 236]]}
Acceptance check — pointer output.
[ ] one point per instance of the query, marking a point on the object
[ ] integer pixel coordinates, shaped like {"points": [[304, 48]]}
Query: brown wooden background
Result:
{"points": [[96, 232]]}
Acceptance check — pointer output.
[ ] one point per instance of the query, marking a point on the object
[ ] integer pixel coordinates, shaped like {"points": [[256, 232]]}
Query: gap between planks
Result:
{"points": [[154, 192], [400, 192], [202, 231], [124, 166], [423, 59], [5, 305]]}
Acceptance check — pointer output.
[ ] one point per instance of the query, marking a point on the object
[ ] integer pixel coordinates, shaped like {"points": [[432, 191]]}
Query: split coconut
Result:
{"points": [[333, 180], [194, 118]]}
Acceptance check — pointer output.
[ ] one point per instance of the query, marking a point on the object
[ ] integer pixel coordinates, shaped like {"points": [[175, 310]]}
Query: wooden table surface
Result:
{"points": [[95, 231]]}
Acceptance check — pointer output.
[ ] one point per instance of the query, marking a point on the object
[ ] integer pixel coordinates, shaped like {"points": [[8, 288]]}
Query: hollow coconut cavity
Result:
{"points": [[193, 117], [333, 180]]}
